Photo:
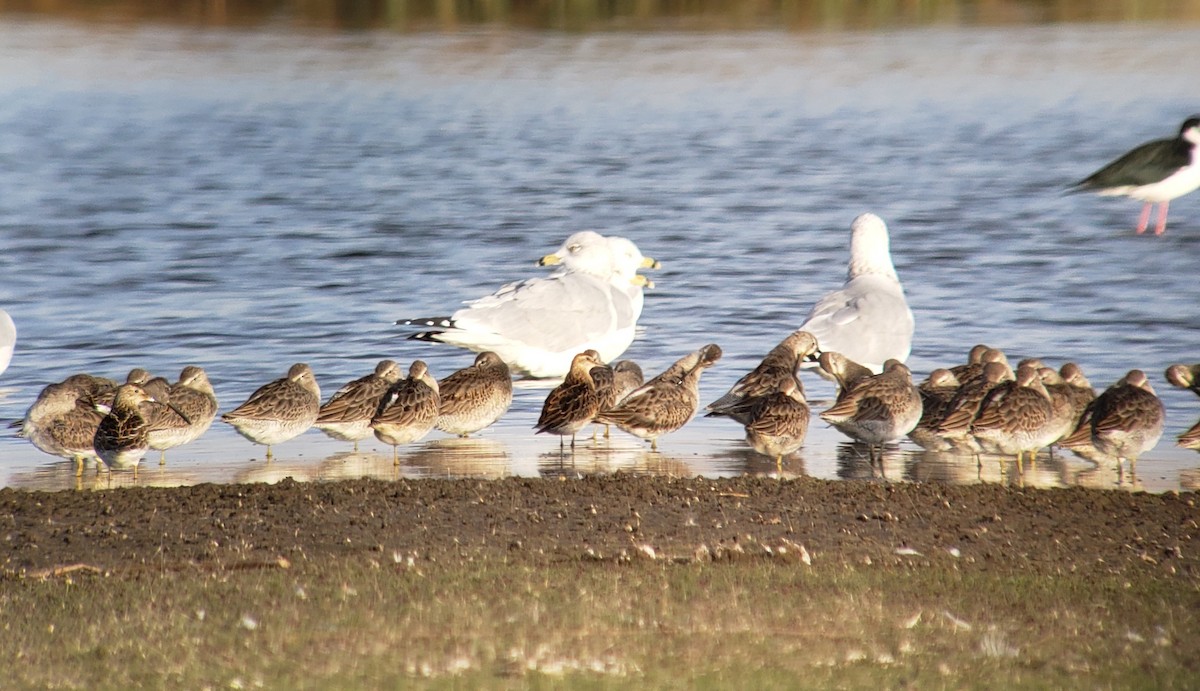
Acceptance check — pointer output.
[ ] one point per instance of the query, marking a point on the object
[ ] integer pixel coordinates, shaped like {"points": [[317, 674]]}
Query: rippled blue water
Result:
{"points": [[243, 200]]}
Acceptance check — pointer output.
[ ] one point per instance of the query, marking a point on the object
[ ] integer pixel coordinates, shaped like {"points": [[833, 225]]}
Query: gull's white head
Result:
{"points": [[627, 258], [869, 247], [586, 251]]}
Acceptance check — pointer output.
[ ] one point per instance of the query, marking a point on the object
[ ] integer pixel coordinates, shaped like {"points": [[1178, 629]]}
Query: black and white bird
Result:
{"points": [[1154, 173]]}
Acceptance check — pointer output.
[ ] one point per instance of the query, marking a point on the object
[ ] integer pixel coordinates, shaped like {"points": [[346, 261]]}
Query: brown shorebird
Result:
{"points": [[474, 397], [1185, 377], [845, 372], [613, 384], [1016, 417], [879, 409], [666, 402], [408, 409], [964, 407], [936, 393], [1191, 438], [779, 366], [279, 410], [776, 423], [193, 397], [123, 435], [62, 422], [346, 416], [574, 403], [1123, 422]]}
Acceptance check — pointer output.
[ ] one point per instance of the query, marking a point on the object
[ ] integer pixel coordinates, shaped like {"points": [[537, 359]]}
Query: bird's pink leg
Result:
{"points": [[1162, 219], [1144, 218]]}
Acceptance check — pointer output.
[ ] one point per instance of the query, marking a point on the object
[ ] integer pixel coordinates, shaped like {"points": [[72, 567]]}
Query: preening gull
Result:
{"points": [[868, 319], [592, 301]]}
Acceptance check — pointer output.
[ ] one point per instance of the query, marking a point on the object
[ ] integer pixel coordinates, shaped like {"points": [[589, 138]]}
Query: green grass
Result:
{"points": [[753, 624]]}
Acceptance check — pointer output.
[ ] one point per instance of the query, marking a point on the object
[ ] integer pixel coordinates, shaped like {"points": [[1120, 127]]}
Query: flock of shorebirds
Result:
{"points": [[570, 323]]}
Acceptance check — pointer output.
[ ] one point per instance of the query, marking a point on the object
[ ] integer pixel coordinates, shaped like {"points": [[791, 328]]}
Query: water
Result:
{"points": [[243, 200]]}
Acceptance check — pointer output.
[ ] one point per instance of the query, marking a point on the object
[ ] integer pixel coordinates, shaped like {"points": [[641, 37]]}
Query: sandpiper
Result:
{"points": [[768, 377], [614, 383], [1185, 377], [666, 402], [1017, 417], [347, 414], [474, 397], [62, 422], [193, 396], [279, 410], [845, 372], [1123, 422], [880, 409], [409, 409], [936, 393], [123, 435], [777, 423], [955, 427], [574, 403], [1154, 173]]}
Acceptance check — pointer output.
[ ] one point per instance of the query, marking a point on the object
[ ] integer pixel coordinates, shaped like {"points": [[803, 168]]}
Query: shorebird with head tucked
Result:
{"points": [[879, 409], [1185, 377], [408, 410], [614, 383], [279, 410], [962, 410], [1017, 417], [867, 319], [193, 396], [62, 422], [936, 393], [1123, 422], [776, 423], [474, 397], [1190, 439], [347, 414], [574, 403], [1154, 173], [771, 375], [666, 402]]}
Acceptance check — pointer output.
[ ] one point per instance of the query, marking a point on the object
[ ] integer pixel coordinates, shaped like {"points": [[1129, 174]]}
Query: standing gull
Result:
{"points": [[347, 414], [408, 410], [593, 301], [666, 402], [867, 319], [474, 397], [1154, 173], [279, 410]]}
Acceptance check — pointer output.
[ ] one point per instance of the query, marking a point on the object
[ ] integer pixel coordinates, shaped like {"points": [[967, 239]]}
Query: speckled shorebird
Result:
{"points": [[1016, 417], [1191, 438], [974, 363], [574, 403], [1154, 173], [867, 319], [62, 422], [880, 409], [666, 402], [777, 423], [845, 372], [1184, 377], [346, 416], [1123, 422], [964, 407], [614, 383], [936, 393], [1064, 399], [408, 410], [474, 397], [123, 436], [768, 377], [165, 425], [279, 410]]}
